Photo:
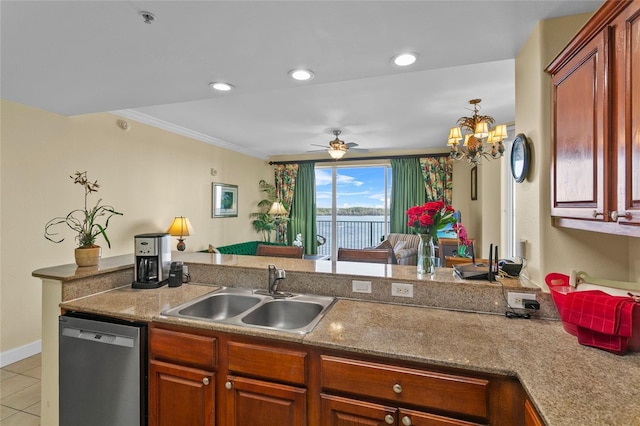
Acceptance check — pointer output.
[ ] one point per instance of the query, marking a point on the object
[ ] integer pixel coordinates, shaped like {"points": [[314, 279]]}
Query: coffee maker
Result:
{"points": [[152, 260]]}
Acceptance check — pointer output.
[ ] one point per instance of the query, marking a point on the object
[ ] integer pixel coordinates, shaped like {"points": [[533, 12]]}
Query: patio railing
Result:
{"points": [[351, 234]]}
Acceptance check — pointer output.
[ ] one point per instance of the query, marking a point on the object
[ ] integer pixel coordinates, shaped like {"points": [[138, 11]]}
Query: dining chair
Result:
{"points": [[295, 252], [366, 255]]}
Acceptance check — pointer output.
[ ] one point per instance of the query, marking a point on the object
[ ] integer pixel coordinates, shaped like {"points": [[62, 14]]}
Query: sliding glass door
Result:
{"points": [[352, 206]]}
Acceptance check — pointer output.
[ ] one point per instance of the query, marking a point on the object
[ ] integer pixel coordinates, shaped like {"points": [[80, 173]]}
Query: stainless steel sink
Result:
{"points": [[220, 306], [284, 314], [293, 313]]}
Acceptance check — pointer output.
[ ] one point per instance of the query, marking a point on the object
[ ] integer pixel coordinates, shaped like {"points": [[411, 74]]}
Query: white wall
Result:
{"points": [[148, 174]]}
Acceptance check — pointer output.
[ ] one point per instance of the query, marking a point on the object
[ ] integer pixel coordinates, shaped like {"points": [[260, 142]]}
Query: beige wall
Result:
{"points": [[149, 174], [552, 249]]}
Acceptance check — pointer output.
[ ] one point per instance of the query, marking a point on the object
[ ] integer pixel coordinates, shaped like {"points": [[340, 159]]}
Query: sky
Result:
{"points": [[356, 186]]}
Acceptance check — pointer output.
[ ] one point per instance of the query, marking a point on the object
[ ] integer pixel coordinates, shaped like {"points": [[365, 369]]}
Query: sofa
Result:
{"points": [[247, 248]]}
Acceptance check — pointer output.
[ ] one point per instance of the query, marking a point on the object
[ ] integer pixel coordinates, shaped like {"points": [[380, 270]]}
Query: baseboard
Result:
{"points": [[18, 354]]}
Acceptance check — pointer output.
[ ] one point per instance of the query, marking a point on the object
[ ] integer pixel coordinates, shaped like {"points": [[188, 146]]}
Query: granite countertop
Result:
{"points": [[70, 272], [569, 384]]}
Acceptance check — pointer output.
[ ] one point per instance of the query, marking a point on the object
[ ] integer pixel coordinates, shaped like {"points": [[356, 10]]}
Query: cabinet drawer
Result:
{"points": [[183, 348], [458, 394], [266, 362]]}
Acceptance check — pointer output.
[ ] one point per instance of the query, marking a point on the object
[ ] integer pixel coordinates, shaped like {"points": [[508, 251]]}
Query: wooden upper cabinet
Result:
{"points": [[627, 126], [578, 147], [595, 133]]}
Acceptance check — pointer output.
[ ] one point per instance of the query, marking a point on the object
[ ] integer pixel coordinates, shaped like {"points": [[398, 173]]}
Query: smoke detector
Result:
{"points": [[147, 16]]}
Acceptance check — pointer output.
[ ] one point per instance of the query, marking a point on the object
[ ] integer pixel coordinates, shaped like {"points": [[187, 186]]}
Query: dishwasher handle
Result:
{"points": [[98, 337]]}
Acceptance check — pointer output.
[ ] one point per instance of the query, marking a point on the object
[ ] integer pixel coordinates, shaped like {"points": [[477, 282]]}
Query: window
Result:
{"points": [[352, 206]]}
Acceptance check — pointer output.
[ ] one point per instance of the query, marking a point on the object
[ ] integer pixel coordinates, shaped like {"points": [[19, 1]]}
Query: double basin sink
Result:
{"points": [[294, 313]]}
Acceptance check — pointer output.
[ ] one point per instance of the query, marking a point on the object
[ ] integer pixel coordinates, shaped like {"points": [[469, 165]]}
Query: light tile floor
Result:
{"points": [[20, 393]]}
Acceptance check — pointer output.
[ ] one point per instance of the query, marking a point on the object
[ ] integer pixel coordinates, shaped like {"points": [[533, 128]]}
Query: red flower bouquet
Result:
{"points": [[430, 217], [426, 220]]}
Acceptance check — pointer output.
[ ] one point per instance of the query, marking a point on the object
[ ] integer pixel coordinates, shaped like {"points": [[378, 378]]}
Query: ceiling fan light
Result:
{"points": [[404, 59], [301, 74], [336, 154]]}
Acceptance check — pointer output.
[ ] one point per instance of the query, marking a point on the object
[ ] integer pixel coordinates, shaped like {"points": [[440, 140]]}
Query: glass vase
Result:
{"points": [[426, 255]]}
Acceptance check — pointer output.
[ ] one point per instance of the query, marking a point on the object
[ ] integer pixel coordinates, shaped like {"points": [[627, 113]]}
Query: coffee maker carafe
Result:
{"points": [[152, 260]]}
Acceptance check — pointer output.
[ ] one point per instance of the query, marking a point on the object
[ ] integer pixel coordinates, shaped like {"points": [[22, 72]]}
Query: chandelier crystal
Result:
{"points": [[475, 131]]}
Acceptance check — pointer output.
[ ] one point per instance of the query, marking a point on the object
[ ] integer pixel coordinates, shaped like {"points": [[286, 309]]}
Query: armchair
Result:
{"points": [[407, 253]]}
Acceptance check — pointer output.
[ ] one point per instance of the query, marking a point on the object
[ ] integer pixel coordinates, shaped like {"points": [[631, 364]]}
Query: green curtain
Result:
{"points": [[302, 217], [285, 177], [438, 178], [407, 190]]}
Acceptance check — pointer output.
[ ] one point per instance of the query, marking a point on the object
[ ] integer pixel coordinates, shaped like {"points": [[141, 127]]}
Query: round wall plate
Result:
{"points": [[520, 158]]}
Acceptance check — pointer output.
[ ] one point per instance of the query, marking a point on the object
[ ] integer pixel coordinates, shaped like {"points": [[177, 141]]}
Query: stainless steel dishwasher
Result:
{"points": [[103, 374]]}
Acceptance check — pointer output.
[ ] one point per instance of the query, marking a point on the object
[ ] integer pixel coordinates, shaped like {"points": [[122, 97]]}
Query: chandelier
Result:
{"points": [[476, 135]]}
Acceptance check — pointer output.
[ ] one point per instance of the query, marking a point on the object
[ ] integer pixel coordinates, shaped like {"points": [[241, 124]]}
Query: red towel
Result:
{"points": [[603, 321]]}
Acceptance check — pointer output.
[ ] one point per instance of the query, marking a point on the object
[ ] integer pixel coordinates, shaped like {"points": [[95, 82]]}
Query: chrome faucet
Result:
{"points": [[275, 276]]}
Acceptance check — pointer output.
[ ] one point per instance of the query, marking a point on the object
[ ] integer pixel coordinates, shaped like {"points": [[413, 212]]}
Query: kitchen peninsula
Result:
{"points": [[568, 384]]}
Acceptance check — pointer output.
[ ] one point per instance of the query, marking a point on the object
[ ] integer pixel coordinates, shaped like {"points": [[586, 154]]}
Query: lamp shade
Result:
{"points": [[482, 130], [181, 227], [277, 209], [500, 132], [455, 133]]}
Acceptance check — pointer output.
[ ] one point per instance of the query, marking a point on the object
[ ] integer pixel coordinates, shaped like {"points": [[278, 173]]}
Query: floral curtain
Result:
{"points": [[438, 178], [285, 178]]}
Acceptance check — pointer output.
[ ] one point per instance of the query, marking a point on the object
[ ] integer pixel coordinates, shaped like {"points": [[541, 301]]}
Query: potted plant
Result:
{"points": [[88, 223], [263, 222]]}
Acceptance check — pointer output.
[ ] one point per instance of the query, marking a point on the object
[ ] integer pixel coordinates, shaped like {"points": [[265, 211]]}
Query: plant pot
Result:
{"points": [[88, 256]]}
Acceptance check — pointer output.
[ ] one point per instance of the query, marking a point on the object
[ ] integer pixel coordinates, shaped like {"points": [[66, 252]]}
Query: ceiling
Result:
{"points": [[78, 57]]}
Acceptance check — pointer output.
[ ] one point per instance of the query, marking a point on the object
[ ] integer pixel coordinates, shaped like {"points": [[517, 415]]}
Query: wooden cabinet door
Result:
{"points": [[418, 418], [579, 156], [627, 113], [252, 402], [339, 411], [530, 415], [180, 396]]}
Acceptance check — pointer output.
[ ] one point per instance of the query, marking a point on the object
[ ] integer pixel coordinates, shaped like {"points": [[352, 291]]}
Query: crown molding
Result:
{"points": [[183, 131]]}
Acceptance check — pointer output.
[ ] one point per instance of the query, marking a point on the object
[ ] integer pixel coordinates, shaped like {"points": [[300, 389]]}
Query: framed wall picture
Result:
{"points": [[225, 200], [474, 183]]}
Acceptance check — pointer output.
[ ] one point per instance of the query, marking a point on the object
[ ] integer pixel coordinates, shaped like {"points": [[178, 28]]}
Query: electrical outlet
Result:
{"points": [[361, 286], [515, 299], [402, 290]]}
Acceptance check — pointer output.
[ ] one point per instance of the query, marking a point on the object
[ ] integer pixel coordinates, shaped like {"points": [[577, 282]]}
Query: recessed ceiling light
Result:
{"points": [[301, 75], [404, 59], [221, 87]]}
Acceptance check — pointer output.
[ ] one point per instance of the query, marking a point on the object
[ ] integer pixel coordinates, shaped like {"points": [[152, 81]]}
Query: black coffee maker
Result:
{"points": [[152, 260]]}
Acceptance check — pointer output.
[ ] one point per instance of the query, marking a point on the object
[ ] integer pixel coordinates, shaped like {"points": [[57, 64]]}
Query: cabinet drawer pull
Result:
{"points": [[205, 381], [406, 421], [228, 385], [596, 214], [617, 215], [397, 388], [389, 419]]}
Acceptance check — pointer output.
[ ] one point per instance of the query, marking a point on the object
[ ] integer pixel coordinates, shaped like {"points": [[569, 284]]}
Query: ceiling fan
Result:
{"points": [[338, 148]]}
